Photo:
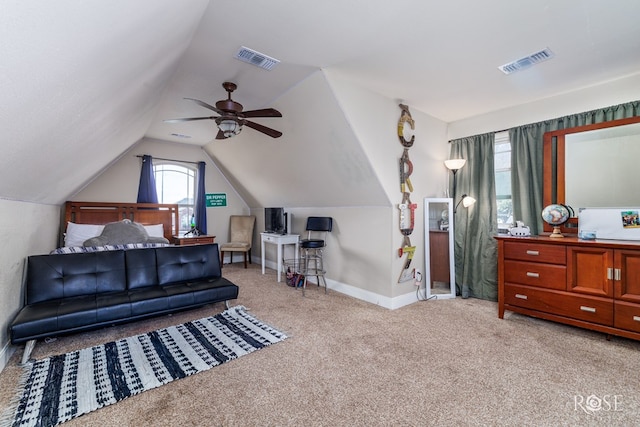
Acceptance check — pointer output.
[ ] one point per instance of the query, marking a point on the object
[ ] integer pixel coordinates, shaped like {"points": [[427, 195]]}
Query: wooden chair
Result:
{"points": [[240, 237]]}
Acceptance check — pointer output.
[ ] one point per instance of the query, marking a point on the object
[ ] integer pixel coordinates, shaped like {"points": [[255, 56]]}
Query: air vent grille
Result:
{"points": [[180, 135], [527, 61], [258, 59]]}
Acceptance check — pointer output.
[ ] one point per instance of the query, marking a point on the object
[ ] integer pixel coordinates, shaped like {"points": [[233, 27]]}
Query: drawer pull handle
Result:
{"points": [[589, 309], [534, 253], [636, 318], [532, 274], [609, 273], [521, 296]]}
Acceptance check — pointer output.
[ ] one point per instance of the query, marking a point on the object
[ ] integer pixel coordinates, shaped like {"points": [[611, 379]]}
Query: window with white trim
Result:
{"points": [[502, 164], [177, 184]]}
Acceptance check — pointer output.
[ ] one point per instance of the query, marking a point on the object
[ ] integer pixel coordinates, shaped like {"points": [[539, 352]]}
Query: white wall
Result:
{"points": [[591, 98], [25, 229]]}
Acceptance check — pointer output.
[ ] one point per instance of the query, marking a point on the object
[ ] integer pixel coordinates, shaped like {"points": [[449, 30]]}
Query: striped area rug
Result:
{"points": [[59, 388]]}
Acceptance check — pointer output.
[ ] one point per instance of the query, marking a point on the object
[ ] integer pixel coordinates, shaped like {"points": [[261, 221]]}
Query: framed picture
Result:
{"points": [[630, 219]]}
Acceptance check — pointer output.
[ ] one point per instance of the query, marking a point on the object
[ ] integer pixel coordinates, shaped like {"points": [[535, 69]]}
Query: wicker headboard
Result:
{"points": [[103, 213]]}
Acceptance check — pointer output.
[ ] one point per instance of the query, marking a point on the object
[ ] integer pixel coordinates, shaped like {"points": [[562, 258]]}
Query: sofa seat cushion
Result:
{"points": [[152, 299], [219, 289], [44, 318]]}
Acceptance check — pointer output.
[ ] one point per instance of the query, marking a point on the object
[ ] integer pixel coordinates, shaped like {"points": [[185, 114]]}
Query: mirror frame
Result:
{"points": [[427, 248], [553, 147]]}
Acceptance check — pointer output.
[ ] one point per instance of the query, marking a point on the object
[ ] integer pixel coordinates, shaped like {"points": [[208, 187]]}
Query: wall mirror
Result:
{"points": [[591, 166], [439, 260]]}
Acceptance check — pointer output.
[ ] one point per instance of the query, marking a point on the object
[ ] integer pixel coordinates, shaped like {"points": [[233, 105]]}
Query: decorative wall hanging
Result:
{"points": [[407, 209]]}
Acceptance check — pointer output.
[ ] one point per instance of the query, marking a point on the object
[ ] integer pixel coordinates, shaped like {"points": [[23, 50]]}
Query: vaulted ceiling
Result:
{"points": [[81, 82]]}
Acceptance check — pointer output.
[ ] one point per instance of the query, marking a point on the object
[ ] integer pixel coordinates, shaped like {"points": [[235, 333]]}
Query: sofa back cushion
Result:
{"points": [[67, 275], [177, 264], [141, 268]]}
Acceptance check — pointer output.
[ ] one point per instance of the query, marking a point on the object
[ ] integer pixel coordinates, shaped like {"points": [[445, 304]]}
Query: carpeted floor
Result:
{"points": [[350, 363]]}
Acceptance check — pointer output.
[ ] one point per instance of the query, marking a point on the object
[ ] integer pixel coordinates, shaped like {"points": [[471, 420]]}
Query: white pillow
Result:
{"points": [[77, 233], [155, 230]]}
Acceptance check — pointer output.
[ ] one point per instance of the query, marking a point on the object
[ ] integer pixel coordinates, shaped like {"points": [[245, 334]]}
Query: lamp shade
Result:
{"points": [[229, 128], [468, 201], [454, 164]]}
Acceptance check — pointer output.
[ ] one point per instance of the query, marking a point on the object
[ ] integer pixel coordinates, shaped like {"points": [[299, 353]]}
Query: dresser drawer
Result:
{"points": [[194, 240], [550, 276], [589, 309], [627, 316], [269, 239], [535, 252]]}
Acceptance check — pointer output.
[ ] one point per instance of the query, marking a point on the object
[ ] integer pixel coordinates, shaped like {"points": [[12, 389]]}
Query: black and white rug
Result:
{"points": [[59, 388]]}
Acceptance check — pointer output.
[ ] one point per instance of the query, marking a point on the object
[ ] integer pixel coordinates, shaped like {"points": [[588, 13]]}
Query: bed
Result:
{"points": [[84, 220]]}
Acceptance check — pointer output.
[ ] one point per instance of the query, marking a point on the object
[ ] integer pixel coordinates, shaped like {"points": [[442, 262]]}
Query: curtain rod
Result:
{"points": [[171, 160], [471, 136]]}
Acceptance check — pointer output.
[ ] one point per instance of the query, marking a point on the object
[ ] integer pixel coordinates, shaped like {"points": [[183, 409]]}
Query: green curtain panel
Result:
{"points": [[475, 227]]}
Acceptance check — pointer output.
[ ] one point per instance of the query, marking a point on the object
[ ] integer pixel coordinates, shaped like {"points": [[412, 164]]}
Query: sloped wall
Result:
{"points": [[25, 229]]}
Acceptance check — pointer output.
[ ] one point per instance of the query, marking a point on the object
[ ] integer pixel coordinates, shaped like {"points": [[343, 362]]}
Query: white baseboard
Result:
{"points": [[359, 293], [371, 297], [5, 354]]}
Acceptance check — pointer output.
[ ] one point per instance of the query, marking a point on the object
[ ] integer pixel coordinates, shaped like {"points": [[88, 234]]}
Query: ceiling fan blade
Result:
{"points": [[266, 112], [220, 135], [205, 105], [268, 131], [189, 119]]}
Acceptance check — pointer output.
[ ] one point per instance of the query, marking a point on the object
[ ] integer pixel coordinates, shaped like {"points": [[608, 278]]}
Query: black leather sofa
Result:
{"points": [[68, 293]]}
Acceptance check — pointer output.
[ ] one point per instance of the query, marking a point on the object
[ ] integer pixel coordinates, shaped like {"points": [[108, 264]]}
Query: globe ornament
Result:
{"points": [[555, 215]]}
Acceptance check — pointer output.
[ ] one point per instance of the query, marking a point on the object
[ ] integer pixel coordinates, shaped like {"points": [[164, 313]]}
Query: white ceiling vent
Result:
{"points": [[256, 58], [527, 61]]}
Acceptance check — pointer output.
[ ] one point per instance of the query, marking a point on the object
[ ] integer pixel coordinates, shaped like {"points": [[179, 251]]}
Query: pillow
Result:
{"points": [[77, 233], [122, 233], [155, 230]]}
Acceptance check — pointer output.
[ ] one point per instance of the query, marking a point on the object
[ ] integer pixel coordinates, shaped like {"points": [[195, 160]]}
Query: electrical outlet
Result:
{"points": [[417, 275]]}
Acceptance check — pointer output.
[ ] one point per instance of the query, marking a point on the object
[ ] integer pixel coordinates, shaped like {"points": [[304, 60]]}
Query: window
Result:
{"points": [[177, 184], [502, 164]]}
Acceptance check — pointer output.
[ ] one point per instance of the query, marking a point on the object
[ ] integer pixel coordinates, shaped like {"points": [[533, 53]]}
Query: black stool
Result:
{"points": [[311, 261]]}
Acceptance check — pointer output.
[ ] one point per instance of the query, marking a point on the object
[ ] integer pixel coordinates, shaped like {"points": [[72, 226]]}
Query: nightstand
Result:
{"points": [[193, 240]]}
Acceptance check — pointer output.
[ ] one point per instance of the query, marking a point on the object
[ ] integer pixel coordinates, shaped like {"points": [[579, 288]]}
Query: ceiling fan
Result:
{"points": [[232, 118]]}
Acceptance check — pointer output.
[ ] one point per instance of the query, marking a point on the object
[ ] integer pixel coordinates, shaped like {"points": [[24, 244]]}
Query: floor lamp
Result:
{"points": [[454, 165]]}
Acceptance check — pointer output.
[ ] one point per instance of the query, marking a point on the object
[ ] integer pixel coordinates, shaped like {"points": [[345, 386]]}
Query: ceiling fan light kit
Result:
{"points": [[229, 127], [232, 118]]}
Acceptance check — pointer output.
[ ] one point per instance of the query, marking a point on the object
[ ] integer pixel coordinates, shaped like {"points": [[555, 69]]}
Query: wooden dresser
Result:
{"points": [[589, 284]]}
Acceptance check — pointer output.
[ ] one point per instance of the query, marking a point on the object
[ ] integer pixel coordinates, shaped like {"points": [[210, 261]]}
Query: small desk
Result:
{"points": [[280, 240], [193, 240]]}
